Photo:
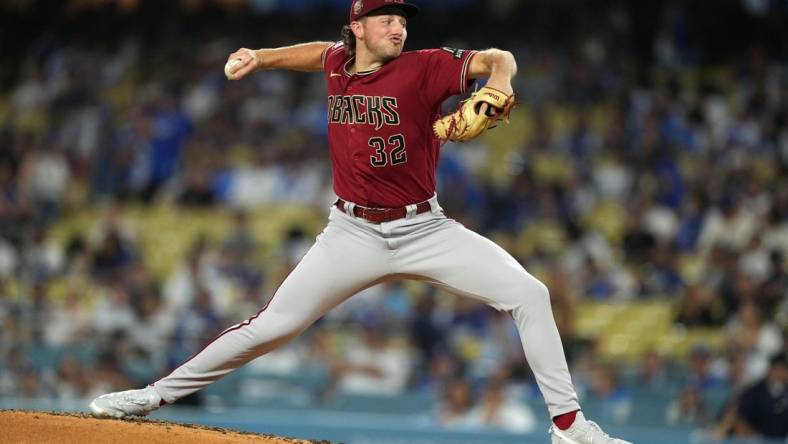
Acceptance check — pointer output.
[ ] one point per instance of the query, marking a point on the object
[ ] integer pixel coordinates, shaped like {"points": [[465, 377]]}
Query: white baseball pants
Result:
{"points": [[352, 254]]}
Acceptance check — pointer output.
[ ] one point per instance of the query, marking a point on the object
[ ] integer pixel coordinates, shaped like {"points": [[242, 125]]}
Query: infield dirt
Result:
{"points": [[65, 428]]}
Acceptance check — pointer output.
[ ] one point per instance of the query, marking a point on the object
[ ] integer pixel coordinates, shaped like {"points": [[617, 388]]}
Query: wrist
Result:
{"points": [[501, 85], [259, 58]]}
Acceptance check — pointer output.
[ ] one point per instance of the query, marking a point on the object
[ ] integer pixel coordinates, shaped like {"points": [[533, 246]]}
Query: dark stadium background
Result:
{"points": [[146, 203]]}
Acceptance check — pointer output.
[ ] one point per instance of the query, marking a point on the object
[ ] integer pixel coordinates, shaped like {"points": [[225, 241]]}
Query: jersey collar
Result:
{"points": [[350, 61]]}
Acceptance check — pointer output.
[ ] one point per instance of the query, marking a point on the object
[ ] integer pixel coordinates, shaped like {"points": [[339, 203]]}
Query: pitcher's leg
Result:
{"points": [[468, 264], [334, 269]]}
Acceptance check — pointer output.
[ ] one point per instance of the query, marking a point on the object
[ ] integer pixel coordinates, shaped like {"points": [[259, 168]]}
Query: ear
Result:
{"points": [[358, 29]]}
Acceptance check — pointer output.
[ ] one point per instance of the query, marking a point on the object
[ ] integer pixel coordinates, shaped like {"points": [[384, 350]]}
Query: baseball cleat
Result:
{"points": [[583, 432], [124, 404]]}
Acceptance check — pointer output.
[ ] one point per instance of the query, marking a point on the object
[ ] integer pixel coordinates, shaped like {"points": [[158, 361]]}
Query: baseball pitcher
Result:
{"points": [[385, 133]]}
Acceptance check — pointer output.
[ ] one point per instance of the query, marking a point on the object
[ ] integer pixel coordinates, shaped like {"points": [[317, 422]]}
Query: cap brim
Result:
{"points": [[410, 10]]}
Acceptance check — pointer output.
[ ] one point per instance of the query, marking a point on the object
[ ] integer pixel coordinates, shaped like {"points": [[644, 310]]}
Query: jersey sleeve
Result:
{"points": [[445, 73], [333, 56]]}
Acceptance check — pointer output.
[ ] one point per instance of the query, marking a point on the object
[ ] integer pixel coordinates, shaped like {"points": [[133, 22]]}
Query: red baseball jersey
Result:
{"points": [[383, 151]]}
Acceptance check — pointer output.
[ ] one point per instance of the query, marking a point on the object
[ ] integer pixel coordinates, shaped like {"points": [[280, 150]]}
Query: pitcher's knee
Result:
{"points": [[543, 293], [531, 292], [269, 328]]}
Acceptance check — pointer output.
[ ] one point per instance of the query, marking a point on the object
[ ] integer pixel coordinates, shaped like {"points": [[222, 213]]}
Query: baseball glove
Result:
{"points": [[468, 122]]}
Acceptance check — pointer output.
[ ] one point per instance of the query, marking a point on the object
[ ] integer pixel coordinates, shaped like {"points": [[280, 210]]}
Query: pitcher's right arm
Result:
{"points": [[306, 57]]}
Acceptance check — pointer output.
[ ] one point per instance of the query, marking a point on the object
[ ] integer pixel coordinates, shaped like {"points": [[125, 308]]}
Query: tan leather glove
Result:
{"points": [[468, 122]]}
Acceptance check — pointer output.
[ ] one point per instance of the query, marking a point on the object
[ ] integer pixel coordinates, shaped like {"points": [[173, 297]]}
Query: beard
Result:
{"points": [[385, 51]]}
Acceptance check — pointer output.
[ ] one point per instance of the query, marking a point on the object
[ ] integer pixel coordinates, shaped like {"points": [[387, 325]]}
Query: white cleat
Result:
{"points": [[583, 432], [124, 404]]}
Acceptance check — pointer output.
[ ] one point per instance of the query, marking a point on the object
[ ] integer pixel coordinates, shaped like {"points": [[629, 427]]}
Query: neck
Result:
{"points": [[365, 60]]}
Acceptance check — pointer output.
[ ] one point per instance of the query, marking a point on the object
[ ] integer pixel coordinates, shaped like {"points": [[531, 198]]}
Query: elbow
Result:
{"points": [[503, 59], [506, 55], [510, 60]]}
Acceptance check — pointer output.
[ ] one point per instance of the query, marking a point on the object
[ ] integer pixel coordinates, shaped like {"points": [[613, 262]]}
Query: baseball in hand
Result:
{"points": [[230, 67]]}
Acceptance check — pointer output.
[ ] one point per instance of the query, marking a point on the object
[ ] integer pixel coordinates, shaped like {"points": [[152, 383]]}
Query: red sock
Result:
{"points": [[566, 420]]}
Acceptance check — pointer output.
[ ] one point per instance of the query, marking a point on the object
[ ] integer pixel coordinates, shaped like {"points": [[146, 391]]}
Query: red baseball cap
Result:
{"points": [[360, 8]]}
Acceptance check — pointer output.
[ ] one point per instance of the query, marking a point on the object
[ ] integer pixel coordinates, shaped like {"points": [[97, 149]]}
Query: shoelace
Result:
{"points": [[592, 424], [596, 427], [129, 399]]}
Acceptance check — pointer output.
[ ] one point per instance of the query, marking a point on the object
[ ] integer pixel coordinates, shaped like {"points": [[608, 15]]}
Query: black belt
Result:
{"points": [[380, 215]]}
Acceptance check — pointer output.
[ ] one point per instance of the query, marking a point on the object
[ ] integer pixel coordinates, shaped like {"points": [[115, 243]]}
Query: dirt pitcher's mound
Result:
{"points": [[66, 428]]}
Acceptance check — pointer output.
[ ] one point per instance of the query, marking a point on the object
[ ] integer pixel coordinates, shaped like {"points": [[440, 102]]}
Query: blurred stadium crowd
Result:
{"points": [[622, 177]]}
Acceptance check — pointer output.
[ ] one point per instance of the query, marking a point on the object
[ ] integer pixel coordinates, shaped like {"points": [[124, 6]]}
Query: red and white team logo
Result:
{"points": [[357, 6]]}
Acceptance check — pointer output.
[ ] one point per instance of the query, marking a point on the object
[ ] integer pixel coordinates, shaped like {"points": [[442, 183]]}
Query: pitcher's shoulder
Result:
{"points": [[418, 57]]}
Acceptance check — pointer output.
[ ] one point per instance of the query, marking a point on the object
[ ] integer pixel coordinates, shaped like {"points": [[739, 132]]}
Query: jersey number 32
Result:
{"points": [[388, 152]]}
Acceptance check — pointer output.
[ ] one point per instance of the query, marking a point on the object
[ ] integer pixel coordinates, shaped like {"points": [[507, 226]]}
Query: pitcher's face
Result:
{"points": [[383, 35]]}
